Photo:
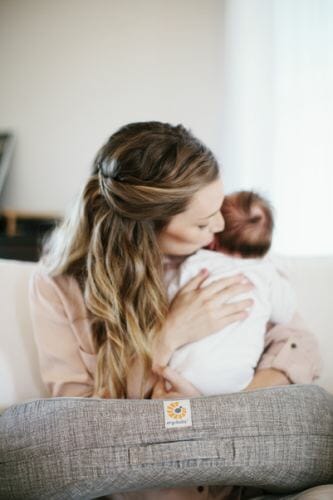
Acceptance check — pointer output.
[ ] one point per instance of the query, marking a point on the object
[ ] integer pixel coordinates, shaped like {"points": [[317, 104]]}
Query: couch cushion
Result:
{"points": [[312, 278], [19, 368]]}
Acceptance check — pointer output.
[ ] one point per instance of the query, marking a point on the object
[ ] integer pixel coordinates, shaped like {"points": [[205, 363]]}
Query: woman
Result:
{"points": [[102, 322]]}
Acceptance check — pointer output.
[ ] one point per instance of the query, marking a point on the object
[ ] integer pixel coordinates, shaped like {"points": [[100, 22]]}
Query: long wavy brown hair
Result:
{"points": [[146, 173]]}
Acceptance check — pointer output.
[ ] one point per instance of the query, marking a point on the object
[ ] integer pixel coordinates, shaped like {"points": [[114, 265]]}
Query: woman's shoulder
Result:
{"points": [[56, 292], [41, 280]]}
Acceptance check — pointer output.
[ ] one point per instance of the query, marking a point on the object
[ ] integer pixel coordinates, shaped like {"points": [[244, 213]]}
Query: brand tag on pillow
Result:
{"points": [[177, 413]]}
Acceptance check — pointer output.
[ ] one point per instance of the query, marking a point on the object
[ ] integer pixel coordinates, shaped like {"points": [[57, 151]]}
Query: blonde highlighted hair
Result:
{"points": [[145, 174]]}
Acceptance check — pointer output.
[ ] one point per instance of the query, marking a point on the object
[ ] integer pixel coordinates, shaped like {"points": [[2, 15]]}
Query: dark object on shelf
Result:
{"points": [[6, 153], [22, 234], [19, 248]]}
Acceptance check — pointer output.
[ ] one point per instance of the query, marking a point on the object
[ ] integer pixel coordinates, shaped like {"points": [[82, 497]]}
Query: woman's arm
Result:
{"points": [[291, 355], [61, 366], [268, 377], [162, 350]]}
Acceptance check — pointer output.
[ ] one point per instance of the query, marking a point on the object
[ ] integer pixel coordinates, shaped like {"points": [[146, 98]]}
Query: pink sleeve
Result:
{"points": [[294, 351], [62, 369]]}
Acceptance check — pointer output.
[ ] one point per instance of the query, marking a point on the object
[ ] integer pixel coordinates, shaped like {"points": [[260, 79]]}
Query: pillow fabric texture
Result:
{"points": [[278, 438]]}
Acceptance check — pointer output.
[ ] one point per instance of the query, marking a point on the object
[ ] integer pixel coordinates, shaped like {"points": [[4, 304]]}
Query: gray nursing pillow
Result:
{"points": [[277, 438]]}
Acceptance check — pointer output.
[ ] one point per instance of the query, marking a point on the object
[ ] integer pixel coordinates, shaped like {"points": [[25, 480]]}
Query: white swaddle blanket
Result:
{"points": [[225, 361]]}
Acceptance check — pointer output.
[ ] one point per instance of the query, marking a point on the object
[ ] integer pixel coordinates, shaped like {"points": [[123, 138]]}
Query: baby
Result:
{"points": [[225, 361]]}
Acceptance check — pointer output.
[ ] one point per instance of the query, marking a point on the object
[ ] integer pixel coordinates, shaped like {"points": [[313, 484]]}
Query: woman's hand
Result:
{"points": [[197, 312], [179, 386]]}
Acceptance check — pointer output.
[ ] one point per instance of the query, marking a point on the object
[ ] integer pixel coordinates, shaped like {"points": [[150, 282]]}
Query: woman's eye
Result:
{"points": [[202, 227]]}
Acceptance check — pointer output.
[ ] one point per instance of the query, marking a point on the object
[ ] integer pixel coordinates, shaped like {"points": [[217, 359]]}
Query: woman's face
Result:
{"points": [[195, 228]]}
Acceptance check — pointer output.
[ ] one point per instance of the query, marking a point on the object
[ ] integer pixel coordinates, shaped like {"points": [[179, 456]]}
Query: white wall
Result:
{"points": [[276, 112], [252, 78], [72, 71], [303, 173], [246, 106]]}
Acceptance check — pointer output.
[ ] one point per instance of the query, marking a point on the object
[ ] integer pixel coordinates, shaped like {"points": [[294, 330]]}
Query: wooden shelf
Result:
{"points": [[12, 217], [21, 233]]}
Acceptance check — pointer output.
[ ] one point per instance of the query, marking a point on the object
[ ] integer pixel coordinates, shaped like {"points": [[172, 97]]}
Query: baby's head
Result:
{"points": [[248, 225]]}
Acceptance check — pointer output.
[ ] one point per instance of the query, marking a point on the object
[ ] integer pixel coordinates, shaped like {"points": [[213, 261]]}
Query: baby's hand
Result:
{"points": [[179, 386]]}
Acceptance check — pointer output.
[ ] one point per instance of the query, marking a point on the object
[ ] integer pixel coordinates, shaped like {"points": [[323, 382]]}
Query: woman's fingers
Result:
{"points": [[225, 314], [202, 311], [230, 308], [232, 291], [231, 318], [195, 282], [225, 283], [222, 297]]}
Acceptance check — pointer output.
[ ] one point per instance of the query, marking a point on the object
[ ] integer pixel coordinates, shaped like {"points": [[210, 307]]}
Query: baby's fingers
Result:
{"points": [[159, 389], [179, 383]]}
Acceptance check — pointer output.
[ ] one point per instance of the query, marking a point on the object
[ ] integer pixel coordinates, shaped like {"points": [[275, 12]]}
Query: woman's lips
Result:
{"points": [[211, 244]]}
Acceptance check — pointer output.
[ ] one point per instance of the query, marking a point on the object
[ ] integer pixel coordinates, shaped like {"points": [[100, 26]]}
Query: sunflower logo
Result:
{"points": [[176, 411]]}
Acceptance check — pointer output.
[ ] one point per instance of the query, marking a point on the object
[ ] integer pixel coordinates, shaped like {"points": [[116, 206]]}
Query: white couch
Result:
{"points": [[20, 380]]}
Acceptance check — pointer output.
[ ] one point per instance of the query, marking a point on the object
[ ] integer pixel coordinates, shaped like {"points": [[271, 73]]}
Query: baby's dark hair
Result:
{"points": [[248, 225]]}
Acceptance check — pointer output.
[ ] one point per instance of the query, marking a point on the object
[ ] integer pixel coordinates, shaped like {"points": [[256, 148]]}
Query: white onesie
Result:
{"points": [[225, 361]]}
